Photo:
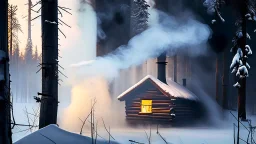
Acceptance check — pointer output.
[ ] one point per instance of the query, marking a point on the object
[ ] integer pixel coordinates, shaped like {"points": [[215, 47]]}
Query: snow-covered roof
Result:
{"points": [[53, 134], [173, 88]]}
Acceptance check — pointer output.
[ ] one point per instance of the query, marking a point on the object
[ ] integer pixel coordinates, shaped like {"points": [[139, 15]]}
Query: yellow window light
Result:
{"points": [[146, 106]]}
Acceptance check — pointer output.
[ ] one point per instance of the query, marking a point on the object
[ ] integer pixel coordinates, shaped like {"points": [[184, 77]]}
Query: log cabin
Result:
{"points": [[153, 100]]}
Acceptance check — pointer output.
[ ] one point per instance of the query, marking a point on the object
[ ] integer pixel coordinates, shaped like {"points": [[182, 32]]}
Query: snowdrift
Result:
{"points": [[52, 134]]}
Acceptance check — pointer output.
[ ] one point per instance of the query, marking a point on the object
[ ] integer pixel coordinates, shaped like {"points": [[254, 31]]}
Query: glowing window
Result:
{"points": [[146, 106]]}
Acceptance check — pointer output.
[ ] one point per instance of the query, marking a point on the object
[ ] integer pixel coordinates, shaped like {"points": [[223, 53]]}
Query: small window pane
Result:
{"points": [[146, 106]]}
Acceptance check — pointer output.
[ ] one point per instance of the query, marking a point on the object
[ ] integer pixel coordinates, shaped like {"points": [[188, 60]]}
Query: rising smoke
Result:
{"points": [[85, 90], [167, 34], [90, 78]]}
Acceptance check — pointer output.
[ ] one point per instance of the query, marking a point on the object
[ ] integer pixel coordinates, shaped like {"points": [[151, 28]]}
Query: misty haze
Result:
{"points": [[127, 72]]}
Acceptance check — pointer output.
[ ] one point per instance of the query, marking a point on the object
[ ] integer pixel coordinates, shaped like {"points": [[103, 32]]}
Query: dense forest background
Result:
{"points": [[24, 69], [206, 75]]}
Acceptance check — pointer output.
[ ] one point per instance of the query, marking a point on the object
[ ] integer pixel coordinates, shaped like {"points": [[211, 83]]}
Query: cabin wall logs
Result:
{"points": [[161, 109]]}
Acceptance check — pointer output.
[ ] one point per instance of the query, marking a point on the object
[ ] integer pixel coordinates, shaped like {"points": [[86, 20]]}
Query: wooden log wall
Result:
{"points": [[161, 105]]}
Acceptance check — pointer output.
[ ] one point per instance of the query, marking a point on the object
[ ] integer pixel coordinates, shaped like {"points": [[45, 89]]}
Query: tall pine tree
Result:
{"points": [[245, 11], [13, 28], [5, 123], [49, 99], [139, 16]]}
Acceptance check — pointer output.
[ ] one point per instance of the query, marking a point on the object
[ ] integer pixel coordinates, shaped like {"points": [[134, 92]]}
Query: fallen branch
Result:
{"points": [[134, 142], [24, 125]]}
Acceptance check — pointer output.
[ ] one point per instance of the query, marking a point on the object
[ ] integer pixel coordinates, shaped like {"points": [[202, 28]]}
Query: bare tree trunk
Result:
{"points": [[238, 129], [5, 127], [92, 124], [29, 55], [217, 79], [49, 100], [224, 83], [29, 19], [11, 29]]}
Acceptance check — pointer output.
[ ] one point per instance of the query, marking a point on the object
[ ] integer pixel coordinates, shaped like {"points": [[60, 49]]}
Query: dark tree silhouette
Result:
{"points": [[139, 16], [139, 23], [5, 124], [245, 11], [36, 57], [49, 99], [29, 58], [13, 28], [28, 50]]}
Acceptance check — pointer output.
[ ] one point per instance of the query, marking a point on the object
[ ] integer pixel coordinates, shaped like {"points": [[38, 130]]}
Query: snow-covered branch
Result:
{"points": [[219, 14], [236, 58]]}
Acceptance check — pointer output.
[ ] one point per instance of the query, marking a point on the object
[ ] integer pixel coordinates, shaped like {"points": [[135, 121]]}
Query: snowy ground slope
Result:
{"points": [[176, 136], [122, 136], [219, 134], [53, 134], [204, 134], [20, 116]]}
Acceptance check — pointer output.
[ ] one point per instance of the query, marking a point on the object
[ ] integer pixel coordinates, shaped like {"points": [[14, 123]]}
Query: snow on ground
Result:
{"points": [[204, 134], [52, 134], [172, 135], [19, 110], [220, 134], [178, 136]]}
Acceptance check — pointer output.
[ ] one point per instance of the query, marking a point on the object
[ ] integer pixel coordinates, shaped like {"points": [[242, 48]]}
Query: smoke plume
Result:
{"points": [[167, 34], [89, 78], [84, 91]]}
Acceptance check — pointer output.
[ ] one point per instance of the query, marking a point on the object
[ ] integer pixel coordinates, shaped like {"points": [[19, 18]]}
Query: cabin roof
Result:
{"points": [[172, 89]]}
